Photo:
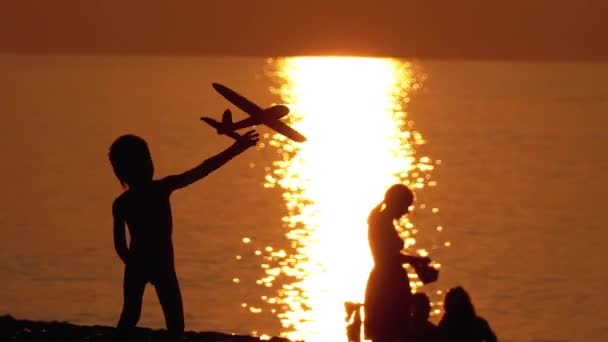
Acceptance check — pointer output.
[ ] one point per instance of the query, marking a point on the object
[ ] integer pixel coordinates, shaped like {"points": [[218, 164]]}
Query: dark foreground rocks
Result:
{"points": [[12, 329]]}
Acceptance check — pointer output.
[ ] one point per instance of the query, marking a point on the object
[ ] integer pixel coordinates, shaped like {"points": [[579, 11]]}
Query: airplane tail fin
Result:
{"points": [[227, 119], [225, 127], [221, 127]]}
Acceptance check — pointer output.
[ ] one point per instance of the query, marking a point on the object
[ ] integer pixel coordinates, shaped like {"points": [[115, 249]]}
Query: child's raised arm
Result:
{"points": [[120, 239], [179, 181]]}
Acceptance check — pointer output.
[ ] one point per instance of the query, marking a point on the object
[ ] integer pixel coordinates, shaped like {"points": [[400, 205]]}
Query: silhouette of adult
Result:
{"points": [[422, 329], [460, 323], [388, 294]]}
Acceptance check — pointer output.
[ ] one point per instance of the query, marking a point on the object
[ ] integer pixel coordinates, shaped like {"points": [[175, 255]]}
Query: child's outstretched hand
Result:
{"points": [[250, 138]]}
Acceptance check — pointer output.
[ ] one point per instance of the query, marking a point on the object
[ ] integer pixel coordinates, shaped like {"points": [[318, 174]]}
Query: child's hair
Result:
{"points": [[421, 305], [131, 160]]}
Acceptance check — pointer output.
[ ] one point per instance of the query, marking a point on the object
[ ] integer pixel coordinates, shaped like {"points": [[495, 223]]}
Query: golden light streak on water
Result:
{"points": [[352, 111]]}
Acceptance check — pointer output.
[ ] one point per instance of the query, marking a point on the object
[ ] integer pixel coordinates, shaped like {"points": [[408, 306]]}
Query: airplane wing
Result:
{"points": [[284, 129], [238, 100]]}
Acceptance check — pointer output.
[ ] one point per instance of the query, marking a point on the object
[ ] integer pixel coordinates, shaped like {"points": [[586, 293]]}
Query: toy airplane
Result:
{"points": [[269, 116]]}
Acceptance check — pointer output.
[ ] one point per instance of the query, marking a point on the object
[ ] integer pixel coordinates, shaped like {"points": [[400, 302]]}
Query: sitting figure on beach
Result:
{"points": [[460, 323], [353, 321], [388, 294], [144, 207], [422, 329]]}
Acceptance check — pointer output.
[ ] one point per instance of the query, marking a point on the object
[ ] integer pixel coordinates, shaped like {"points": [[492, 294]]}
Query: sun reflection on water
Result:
{"points": [[352, 110]]}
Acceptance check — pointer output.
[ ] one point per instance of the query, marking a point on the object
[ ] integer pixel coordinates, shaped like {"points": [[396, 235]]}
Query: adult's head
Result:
{"points": [[397, 200]]}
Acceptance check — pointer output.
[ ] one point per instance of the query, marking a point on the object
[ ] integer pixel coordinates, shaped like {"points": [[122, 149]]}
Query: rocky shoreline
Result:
{"points": [[12, 329]]}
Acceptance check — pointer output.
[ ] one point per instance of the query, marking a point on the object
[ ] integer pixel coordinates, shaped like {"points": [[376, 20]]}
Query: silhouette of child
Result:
{"points": [[422, 329], [353, 321], [460, 323], [144, 207], [388, 294]]}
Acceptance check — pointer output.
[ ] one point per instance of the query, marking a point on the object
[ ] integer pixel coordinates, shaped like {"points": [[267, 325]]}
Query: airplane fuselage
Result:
{"points": [[272, 113]]}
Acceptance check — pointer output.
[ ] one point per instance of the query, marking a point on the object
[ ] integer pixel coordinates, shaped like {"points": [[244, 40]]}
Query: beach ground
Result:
{"points": [[12, 329]]}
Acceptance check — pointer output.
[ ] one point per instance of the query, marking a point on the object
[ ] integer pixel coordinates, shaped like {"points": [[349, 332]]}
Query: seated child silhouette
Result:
{"points": [[145, 209], [422, 329], [460, 322]]}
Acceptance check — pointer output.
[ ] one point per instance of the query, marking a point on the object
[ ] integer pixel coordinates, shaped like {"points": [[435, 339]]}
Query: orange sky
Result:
{"points": [[476, 29]]}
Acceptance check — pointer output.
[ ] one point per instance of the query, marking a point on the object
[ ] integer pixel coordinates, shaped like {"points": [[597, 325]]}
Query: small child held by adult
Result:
{"points": [[144, 207], [460, 323], [422, 330]]}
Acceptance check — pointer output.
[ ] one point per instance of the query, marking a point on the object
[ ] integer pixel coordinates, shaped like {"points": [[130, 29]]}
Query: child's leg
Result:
{"points": [[133, 291], [170, 297]]}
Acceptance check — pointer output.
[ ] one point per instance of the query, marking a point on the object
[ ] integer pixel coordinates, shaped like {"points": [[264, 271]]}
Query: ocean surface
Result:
{"points": [[508, 161]]}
